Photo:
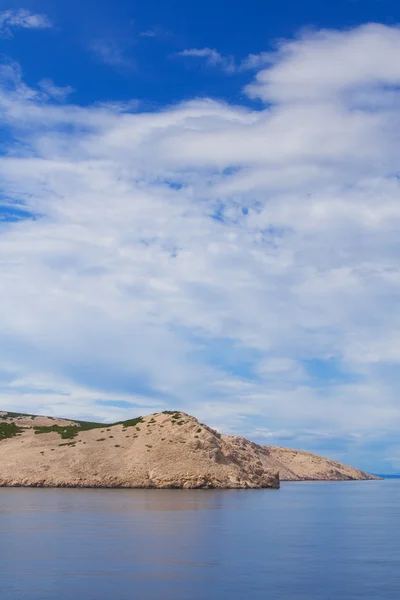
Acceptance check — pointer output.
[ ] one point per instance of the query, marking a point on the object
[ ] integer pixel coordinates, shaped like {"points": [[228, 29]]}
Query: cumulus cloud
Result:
{"points": [[23, 19], [327, 63], [239, 264]]}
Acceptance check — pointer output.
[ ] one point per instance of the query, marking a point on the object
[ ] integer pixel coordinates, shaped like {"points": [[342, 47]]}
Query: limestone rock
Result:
{"points": [[162, 451]]}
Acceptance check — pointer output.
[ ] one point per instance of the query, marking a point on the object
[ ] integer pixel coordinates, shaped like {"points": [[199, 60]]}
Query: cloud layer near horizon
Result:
{"points": [[239, 264]]}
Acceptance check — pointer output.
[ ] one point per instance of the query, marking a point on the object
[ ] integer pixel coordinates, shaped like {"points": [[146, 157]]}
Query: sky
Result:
{"points": [[200, 211]]}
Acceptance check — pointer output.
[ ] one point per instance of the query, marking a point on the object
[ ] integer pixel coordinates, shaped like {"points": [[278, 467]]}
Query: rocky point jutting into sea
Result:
{"points": [[163, 450]]}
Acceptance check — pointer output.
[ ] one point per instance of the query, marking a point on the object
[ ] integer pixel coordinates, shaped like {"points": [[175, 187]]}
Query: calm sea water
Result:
{"points": [[308, 541]]}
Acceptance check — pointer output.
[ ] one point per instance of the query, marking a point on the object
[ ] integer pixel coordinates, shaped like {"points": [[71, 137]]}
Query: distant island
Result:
{"points": [[165, 450]]}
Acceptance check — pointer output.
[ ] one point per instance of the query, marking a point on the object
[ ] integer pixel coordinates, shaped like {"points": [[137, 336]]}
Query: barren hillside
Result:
{"points": [[164, 450], [299, 465]]}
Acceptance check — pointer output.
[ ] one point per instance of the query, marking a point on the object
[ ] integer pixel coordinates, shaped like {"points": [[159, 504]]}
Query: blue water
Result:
{"points": [[308, 541]]}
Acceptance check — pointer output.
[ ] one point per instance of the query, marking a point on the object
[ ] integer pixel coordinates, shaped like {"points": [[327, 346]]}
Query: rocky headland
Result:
{"points": [[163, 450]]}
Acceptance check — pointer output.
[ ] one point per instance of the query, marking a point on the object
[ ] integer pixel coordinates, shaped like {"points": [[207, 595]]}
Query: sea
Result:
{"points": [[306, 541]]}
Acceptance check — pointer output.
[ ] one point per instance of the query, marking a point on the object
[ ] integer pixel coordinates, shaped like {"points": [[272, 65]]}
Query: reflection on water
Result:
{"points": [[304, 542]]}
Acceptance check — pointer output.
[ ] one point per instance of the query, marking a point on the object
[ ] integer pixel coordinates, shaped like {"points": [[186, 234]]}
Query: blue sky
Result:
{"points": [[199, 210], [140, 39]]}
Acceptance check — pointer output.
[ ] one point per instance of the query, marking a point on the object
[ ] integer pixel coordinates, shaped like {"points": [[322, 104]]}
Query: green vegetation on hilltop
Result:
{"points": [[14, 415], [130, 422], [175, 414], [9, 430], [68, 432]]}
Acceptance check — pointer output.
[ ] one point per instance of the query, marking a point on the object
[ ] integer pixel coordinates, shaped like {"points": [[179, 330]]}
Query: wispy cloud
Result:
{"points": [[156, 33], [151, 33], [256, 61], [54, 91], [211, 57], [111, 53], [21, 19], [228, 64]]}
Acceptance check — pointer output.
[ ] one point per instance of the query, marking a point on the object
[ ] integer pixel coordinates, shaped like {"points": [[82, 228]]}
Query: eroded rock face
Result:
{"points": [[296, 465], [163, 451]]}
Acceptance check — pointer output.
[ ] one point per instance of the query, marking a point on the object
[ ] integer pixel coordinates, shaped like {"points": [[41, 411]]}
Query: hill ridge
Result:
{"points": [[170, 449]]}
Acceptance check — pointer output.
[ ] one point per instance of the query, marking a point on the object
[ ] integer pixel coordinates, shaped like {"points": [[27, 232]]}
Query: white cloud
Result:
{"points": [[156, 33], [51, 90], [321, 65], [205, 255], [228, 64], [256, 61], [151, 33], [111, 53], [212, 58], [22, 19]]}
